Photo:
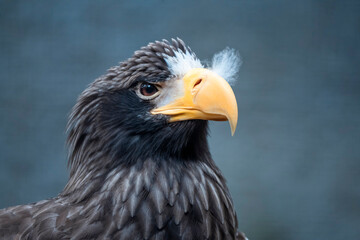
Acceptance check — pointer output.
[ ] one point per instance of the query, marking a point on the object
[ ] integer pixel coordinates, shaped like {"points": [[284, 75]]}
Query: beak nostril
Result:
{"points": [[197, 82]]}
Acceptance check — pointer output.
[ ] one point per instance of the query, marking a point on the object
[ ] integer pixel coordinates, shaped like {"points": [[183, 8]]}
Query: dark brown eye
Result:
{"points": [[147, 89]]}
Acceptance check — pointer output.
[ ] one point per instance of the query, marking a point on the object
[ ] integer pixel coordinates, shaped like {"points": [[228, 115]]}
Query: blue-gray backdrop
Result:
{"points": [[293, 166]]}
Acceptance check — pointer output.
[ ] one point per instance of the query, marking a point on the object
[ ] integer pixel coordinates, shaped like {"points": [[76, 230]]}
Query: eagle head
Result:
{"points": [[155, 104]]}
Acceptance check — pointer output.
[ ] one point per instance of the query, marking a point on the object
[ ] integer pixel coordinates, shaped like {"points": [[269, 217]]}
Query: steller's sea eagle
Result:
{"points": [[140, 166]]}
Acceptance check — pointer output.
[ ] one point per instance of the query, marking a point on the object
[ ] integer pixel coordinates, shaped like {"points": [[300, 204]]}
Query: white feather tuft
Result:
{"points": [[181, 63], [227, 64]]}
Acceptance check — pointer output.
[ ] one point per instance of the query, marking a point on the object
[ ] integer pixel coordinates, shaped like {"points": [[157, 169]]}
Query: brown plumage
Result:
{"points": [[133, 175]]}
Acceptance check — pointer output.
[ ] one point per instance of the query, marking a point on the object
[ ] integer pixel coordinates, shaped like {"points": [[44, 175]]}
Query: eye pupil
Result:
{"points": [[148, 89]]}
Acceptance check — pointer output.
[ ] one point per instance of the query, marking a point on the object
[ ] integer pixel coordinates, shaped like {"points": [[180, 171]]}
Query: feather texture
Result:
{"points": [[227, 63], [149, 211]]}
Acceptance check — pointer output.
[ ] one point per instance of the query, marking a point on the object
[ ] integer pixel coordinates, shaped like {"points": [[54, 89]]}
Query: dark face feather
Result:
{"points": [[133, 134]]}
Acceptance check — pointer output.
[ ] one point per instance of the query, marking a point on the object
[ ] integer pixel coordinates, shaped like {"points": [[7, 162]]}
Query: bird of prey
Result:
{"points": [[140, 165]]}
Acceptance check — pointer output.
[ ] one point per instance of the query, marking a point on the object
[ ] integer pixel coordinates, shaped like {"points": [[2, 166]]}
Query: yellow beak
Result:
{"points": [[206, 96]]}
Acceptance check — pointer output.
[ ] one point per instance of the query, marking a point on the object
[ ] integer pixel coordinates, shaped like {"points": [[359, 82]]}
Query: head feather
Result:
{"points": [[182, 62], [227, 64]]}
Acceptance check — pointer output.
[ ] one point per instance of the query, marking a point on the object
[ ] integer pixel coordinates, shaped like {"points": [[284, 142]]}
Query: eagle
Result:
{"points": [[139, 160]]}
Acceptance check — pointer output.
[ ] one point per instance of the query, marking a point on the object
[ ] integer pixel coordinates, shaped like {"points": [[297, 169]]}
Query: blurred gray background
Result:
{"points": [[293, 166]]}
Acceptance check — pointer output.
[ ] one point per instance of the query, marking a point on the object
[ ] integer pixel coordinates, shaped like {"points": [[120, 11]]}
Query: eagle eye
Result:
{"points": [[148, 91]]}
